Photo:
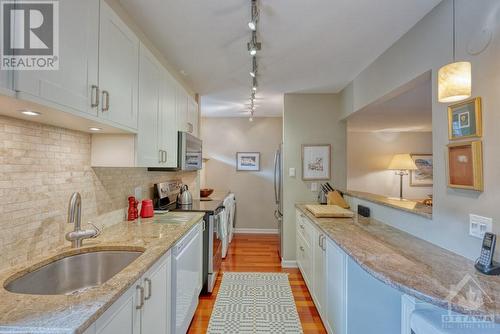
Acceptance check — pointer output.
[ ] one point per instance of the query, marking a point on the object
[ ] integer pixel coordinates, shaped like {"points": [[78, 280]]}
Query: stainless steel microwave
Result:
{"points": [[190, 152]]}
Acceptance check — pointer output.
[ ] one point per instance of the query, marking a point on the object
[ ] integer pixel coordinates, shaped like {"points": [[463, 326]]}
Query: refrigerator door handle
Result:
{"points": [[276, 156], [280, 171]]}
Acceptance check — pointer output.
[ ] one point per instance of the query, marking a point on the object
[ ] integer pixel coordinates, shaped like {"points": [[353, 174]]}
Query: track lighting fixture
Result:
{"points": [[253, 45], [253, 72], [255, 16]]}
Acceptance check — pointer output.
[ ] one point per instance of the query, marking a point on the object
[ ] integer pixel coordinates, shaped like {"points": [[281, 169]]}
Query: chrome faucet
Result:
{"points": [[75, 217]]}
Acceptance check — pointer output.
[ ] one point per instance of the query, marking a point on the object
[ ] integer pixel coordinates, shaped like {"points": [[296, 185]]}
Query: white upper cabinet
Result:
{"points": [[168, 120], [118, 70], [157, 135], [149, 153], [181, 107], [69, 88], [193, 127]]}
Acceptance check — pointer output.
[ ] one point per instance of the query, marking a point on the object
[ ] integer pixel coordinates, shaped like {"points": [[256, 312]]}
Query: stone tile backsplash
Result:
{"points": [[40, 167]]}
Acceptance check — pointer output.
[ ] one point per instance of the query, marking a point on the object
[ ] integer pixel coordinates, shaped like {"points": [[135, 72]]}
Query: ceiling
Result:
{"points": [[410, 111], [313, 46]]}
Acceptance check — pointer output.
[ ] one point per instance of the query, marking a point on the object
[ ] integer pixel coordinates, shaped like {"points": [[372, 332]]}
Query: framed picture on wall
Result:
{"points": [[465, 165], [247, 161], [423, 176], [316, 162], [465, 119]]}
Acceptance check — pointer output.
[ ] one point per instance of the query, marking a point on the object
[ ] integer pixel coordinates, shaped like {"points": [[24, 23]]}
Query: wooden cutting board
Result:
{"points": [[329, 211]]}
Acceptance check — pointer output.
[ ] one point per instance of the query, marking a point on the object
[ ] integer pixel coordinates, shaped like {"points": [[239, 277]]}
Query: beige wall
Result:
{"points": [[428, 46], [309, 119], [369, 154], [222, 138], [41, 166]]}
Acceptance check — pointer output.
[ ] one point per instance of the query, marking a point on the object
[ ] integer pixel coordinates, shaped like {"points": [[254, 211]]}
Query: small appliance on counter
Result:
{"points": [[184, 198]]}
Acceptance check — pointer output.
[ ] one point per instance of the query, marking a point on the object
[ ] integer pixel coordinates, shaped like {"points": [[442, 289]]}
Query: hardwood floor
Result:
{"points": [[259, 253]]}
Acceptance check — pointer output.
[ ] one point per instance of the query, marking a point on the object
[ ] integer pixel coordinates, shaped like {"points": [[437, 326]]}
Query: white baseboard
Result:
{"points": [[256, 231], [288, 264]]}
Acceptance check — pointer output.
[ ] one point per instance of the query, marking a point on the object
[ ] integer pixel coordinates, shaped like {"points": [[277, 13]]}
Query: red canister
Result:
{"points": [[147, 210]]}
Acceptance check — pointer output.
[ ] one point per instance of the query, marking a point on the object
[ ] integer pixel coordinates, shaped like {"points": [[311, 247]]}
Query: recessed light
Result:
{"points": [[30, 113], [95, 129]]}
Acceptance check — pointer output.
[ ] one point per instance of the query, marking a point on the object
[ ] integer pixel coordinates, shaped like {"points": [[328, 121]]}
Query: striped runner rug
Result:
{"points": [[251, 303]]}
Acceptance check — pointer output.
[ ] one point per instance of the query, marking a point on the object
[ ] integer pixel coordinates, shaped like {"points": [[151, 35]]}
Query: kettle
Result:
{"points": [[184, 197]]}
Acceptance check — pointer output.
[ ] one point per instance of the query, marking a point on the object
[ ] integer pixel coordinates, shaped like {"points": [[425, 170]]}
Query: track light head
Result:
{"points": [[255, 16], [253, 72], [254, 46]]}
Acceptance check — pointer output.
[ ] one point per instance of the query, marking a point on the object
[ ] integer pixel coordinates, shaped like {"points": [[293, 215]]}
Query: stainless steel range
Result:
{"points": [[165, 199]]}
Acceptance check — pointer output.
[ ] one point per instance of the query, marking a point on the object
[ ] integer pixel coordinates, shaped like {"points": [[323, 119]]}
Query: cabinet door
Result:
{"points": [[336, 286], [118, 70], [70, 87], [122, 317], [168, 120], [193, 117], [150, 85], [156, 311], [181, 106], [304, 261], [319, 270]]}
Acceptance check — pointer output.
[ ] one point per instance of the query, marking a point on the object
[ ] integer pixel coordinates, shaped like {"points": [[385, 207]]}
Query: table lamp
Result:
{"points": [[402, 163]]}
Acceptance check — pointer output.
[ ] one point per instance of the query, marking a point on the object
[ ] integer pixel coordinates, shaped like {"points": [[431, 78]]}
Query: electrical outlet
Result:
{"points": [[479, 225], [138, 193], [291, 172], [314, 186]]}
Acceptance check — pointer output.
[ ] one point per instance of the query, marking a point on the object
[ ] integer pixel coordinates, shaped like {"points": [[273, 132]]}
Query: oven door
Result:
{"points": [[190, 152]]}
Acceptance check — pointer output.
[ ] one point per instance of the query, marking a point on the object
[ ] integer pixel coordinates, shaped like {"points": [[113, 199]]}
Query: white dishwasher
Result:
{"points": [[187, 262]]}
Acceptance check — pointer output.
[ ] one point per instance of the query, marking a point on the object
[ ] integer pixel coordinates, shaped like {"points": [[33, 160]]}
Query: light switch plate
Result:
{"points": [[291, 172], [314, 186], [479, 225]]}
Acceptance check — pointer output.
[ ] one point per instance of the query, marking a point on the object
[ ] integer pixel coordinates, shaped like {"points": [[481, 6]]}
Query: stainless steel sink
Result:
{"points": [[74, 273]]}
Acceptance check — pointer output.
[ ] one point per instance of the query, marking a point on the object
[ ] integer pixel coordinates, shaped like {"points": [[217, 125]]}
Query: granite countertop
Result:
{"points": [[411, 265], [395, 203], [22, 313]]}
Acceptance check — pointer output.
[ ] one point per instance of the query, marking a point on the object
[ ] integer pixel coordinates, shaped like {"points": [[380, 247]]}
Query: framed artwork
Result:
{"points": [[423, 176], [465, 165], [248, 161], [316, 162], [465, 119]]}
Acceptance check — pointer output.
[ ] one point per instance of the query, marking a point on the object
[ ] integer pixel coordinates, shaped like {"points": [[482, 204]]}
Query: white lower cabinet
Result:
{"points": [[144, 308], [323, 267], [336, 292], [319, 269]]}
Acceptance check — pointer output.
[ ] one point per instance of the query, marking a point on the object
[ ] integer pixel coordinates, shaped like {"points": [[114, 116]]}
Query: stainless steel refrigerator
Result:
{"points": [[278, 194]]}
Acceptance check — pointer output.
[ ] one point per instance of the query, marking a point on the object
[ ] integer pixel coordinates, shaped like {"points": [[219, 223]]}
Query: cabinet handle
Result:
{"points": [[150, 288], [94, 96], [320, 238], [323, 247], [105, 101], [190, 127], [301, 226], [301, 248], [165, 158], [204, 225], [141, 297], [160, 158]]}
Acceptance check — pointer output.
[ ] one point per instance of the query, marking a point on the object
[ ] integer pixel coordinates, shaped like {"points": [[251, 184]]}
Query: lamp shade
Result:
{"points": [[402, 162], [455, 82]]}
